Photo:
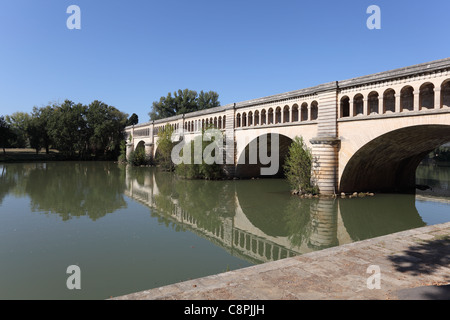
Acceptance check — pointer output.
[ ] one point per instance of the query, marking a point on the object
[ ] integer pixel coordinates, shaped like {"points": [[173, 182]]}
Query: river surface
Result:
{"points": [[132, 229]]}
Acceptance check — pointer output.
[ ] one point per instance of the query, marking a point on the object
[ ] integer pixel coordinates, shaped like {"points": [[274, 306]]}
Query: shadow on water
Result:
{"points": [[383, 214]]}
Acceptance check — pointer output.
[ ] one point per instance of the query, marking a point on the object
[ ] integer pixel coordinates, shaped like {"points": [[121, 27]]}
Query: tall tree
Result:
{"points": [[134, 119], [208, 100], [38, 128], [67, 128], [183, 101], [34, 134], [105, 126], [18, 122], [5, 133]]}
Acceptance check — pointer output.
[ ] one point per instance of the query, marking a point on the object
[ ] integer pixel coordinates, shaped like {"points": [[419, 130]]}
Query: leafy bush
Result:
{"points": [[138, 158], [165, 146], [298, 167], [123, 152]]}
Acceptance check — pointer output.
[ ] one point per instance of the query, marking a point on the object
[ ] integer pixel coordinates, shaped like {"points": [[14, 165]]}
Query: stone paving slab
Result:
{"points": [[413, 264]]}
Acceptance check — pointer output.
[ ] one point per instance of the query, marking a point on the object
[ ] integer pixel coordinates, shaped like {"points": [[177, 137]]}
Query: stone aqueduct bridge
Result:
{"points": [[367, 134]]}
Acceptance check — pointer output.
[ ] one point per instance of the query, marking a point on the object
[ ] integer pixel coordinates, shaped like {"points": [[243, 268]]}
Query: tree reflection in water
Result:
{"points": [[68, 189]]}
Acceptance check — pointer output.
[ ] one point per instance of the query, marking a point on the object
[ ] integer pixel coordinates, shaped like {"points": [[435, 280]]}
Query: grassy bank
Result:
{"points": [[29, 155]]}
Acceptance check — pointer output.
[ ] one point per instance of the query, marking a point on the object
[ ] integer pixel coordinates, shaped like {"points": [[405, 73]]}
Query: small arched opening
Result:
{"points": [[304, 112], [407, 99], [286, 114], [373, 102], [314, 110], [277, 115], [389, 101], [426, 96], [345, 107], [295, 113]]}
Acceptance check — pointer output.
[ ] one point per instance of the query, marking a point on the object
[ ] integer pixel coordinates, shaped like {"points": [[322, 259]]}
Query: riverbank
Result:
{"points": [[30, 155], [413, 264]]}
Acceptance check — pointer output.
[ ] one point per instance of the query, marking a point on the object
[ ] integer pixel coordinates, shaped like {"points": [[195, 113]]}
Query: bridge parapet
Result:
{"points": [[402, 94]]}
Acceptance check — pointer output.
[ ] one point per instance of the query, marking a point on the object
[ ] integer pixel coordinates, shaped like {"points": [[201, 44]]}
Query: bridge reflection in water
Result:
{"points": [[257, 220]]}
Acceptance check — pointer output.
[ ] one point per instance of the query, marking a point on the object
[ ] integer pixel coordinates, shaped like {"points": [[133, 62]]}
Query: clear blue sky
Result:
{"points": [[129, 53]]}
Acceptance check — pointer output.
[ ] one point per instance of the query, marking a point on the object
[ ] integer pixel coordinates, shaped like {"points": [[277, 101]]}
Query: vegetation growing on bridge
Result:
{"points": [[298, 168]]}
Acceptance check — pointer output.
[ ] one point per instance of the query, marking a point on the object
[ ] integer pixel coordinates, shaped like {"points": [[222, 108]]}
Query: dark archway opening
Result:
{"points": [[245, 169], [345, 107], [388, 163], [140, 147]]}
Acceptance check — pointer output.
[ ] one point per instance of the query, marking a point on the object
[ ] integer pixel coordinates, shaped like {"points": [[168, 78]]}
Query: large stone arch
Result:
{"points": [[388, 162], [246, 169], [140, 145]]}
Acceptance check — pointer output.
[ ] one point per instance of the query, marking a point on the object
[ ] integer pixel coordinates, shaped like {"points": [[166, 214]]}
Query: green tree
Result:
{"points": [[68, 128], [133, 120], [182, 102], [298, 167], [18, 122], [123, 152], [208, 100], [5, 133], [37, 128], [40, 119], [105, 126], [34, 134]]}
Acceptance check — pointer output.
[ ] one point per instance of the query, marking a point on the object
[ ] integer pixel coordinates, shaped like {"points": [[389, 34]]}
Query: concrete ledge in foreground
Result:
{"points": [[408, 261]]}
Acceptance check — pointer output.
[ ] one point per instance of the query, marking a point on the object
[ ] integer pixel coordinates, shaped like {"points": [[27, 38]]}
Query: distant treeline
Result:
{"points": [[77, 131]]}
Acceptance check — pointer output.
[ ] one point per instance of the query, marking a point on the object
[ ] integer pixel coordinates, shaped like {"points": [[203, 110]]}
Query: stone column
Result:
{"points": [[365, 106], [325, 155], [380, 104], [152, 132], [397, 102], [149, 150], [230, 149], [416, 100], [351, 110], [437, 98], [325, 145]]}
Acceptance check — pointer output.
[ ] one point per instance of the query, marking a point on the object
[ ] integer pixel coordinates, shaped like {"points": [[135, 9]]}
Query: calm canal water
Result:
{"points": [[132, 229]]}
